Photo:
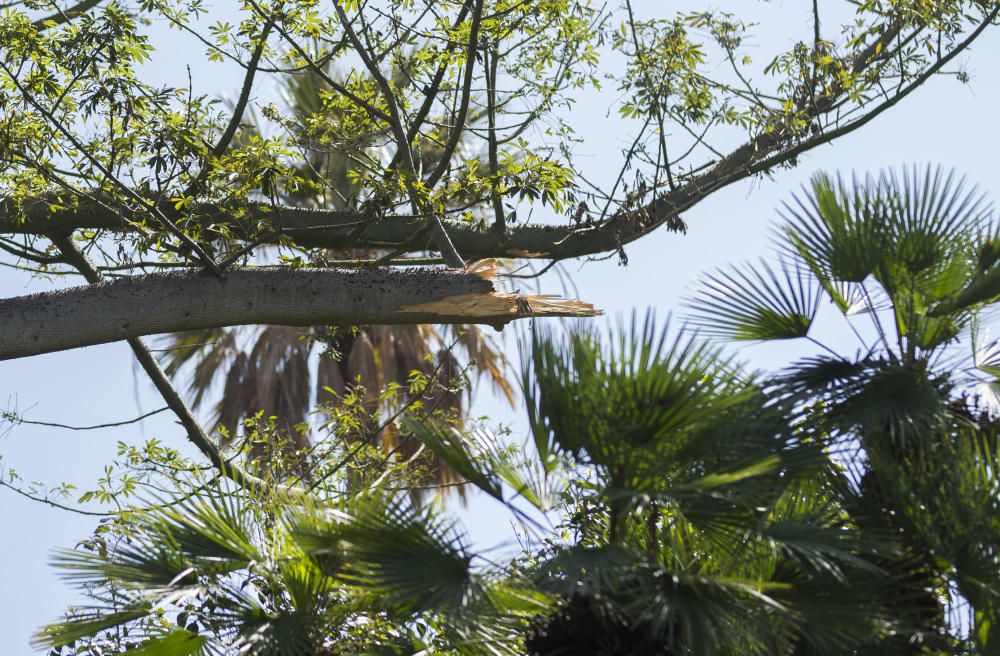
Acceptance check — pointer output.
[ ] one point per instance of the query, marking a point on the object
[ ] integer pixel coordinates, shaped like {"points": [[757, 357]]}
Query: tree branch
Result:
{"points": [[458, 123], [443, 241], [170, 302], [17, 419], [61, 16], [352, 229]]}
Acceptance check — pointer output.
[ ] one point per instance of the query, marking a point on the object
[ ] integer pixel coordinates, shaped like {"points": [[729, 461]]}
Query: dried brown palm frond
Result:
{"points": [[271, 380], [490, 363]]}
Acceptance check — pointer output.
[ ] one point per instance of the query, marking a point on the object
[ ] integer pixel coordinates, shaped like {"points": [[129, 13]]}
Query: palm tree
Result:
{"points": [[699, 517], [912, 262], [267, 370], [709, 518]]}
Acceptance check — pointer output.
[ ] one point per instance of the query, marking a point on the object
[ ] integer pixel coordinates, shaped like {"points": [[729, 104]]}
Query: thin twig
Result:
{"points": [[21, 420]]}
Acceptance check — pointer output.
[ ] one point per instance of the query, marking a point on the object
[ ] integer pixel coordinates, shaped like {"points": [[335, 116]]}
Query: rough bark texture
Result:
{"points": [[170, 302]]}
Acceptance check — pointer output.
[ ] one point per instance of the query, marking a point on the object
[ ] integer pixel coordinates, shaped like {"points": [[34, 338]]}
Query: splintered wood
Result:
{"points": [[502, 306]]}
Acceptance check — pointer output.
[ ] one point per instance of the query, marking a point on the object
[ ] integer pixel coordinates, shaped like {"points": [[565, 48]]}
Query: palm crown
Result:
{"points": [[916, 256]]}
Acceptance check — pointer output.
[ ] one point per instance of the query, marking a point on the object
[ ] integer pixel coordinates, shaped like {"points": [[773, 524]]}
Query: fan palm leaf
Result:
{"points": [[916, 255], [757, 303]]}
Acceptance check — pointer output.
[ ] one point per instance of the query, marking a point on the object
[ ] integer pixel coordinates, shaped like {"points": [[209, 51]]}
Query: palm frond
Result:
{"points": [[85, 623], [755, 303], [853, 299], [613, 595], [214, 531], [922, 235], [985, 352], [874, 396], [178, 642], [481, 461], [181, 348], [586, 405], [451, 446], [408, 557], [287, 632], [151, 565], [931, 215], [826, 547], [832, 230], [487, 358], [172, 547]]}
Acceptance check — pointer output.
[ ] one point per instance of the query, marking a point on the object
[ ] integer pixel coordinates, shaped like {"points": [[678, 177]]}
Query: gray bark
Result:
{"points": [[338, 229], [171, 302]]}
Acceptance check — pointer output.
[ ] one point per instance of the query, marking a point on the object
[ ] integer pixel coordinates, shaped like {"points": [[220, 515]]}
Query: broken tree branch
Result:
{"points": [[171, 302]]}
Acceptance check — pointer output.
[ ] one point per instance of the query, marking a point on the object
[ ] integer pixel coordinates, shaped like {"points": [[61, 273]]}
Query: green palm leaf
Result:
{"points": [[755, 303], [178, 642], [833, 229], [876, 396], [172, 549], [931, 216], [985, 354], [407, 557], [213, 530], [448, 443], [151, 563], [85, 623], [586, 401], [921, 234]]}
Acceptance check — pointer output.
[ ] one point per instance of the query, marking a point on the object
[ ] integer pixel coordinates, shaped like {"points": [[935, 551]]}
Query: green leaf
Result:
{"points": [[407, 557], [623, 405], [755, 303], [986, 354], [178, 642], [833, 231], [449, 444], [86, 623]]}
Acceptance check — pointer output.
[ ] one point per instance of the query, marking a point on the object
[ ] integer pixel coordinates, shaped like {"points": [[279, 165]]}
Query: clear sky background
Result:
{"points": [[945, 122]]}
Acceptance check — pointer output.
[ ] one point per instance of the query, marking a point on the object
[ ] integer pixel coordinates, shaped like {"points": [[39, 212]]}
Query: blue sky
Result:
{"points": [[943, 123]]}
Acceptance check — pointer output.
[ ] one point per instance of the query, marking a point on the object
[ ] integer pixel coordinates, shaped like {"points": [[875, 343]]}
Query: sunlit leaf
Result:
{"points": [[755, 303]]}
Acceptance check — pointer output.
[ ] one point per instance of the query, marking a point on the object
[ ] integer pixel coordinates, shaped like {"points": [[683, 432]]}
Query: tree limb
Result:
{"points": [[61, 16], [442, 240], [170, 302], [17, 419], [351, 229]]}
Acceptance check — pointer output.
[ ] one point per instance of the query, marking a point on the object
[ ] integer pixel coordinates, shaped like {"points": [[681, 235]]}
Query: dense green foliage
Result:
{"points": [[693, 521], [448, 110], [668, 500], [846, 505]]}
